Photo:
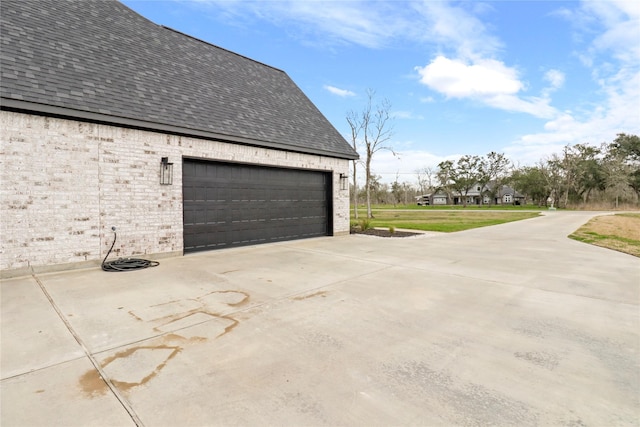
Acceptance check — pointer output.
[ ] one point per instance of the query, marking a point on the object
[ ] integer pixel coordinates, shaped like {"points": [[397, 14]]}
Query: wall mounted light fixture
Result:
{"points": [[344, 181], [166, 171]]}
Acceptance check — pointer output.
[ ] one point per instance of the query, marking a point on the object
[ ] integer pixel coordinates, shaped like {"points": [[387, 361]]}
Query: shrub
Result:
{"points": [[365, 224]]}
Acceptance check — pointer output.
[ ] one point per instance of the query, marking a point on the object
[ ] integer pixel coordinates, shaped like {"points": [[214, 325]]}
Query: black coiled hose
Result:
{"points": [[125, 264]]}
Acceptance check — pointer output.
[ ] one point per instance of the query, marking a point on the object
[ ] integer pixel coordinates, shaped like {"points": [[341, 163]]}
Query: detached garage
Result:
{"points": [[109, 120]]}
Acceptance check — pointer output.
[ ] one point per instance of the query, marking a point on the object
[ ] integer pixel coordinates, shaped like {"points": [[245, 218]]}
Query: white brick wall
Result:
{"points": [[65, 183]]}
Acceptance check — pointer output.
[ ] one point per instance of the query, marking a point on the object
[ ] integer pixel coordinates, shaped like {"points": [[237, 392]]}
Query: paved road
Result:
{"points": [[507, 325]]}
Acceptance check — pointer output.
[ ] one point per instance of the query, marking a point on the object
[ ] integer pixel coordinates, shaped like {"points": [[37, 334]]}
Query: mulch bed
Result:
{"points": [[383, 233]]}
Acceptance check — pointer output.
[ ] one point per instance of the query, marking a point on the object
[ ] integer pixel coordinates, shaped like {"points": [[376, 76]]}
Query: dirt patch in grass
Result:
{"points": [[619, 232]]}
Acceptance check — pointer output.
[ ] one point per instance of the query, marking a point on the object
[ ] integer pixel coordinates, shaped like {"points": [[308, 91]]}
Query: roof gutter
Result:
{"points": [[100, 118]]}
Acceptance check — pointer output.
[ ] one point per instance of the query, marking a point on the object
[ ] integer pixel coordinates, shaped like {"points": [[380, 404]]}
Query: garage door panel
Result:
{"points": [[228, 205], [190, 217]]}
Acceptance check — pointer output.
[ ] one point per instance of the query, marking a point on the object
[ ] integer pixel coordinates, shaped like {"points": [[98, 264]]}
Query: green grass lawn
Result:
{"points": [[437, 220]]}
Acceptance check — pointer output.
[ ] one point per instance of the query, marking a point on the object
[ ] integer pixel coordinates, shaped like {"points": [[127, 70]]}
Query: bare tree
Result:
{"points": [[355, 124], [554, 178], [425, 179], [375, 124], [399, 191]]}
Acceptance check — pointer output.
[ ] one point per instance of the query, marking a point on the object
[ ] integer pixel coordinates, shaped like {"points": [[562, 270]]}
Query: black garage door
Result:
{"points": [[229, 204]]}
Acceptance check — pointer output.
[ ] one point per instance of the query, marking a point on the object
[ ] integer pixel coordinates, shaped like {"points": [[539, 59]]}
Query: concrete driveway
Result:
{"points": [[506, 325]]}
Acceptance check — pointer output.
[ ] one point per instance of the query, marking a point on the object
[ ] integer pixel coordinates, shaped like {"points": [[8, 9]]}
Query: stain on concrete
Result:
{"points": [[179, 314], [229, 328], [92, 384], [173, 337], [134, 316], [322, 294], [213, 303], [169, 352], [189, 318], [181, 320], [125, 362], [230, 295], [146, 366], [243, 301], [165, 303]]}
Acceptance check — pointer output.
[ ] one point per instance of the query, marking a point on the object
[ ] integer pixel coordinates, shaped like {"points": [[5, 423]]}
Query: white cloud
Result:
{"points": [[555, 78], [340, 92], [535, 106], [617, 24], [369, 24], [372, 24], [486, 80], [454, 28], [457, 79], [472, 71]]}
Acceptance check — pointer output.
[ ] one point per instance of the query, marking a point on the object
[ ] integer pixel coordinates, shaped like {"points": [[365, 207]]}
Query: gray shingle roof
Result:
{"points": [[99, 60]]}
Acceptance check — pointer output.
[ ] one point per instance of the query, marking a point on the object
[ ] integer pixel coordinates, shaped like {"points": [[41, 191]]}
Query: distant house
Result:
{"points": [[437, 197], [477, 195], [111, 120], [506, 195]]}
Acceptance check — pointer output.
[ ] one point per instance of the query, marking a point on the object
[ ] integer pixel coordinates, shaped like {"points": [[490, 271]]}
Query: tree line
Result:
{"points": [[584, 173], [580, 175]]}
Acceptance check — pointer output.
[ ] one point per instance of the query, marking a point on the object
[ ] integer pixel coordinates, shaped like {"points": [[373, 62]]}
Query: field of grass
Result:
{"points": [[437, 220], [620, 232]]}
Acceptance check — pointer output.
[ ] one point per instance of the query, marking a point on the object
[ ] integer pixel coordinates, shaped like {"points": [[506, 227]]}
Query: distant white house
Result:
{"points": [[477, 195]]}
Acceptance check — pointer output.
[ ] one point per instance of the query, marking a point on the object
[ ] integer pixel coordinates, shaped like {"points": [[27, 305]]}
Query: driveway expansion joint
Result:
{"points": [[114, 390]]}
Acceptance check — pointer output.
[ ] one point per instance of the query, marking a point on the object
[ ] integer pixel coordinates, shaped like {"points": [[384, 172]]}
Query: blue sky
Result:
{"points": [[520, 77]]}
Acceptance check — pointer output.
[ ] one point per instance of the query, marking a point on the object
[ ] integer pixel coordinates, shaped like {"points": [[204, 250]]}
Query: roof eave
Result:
{"points": [[88, 116]]}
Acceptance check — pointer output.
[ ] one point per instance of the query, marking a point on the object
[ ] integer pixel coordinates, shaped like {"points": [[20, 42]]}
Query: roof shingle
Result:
{"points": [[99, 59]]}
